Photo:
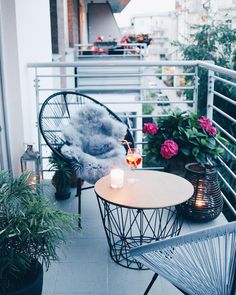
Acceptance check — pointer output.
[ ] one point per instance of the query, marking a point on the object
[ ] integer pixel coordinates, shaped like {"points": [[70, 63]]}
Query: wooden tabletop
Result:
{"points": [[152, 189]]}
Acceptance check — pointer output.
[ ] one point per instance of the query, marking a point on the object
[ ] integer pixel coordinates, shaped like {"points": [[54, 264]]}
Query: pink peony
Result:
{"points": [[206, 125], [169, 149], [150, 128]]}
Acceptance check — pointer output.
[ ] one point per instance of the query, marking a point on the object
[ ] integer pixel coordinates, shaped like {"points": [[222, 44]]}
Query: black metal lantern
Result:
{"points": [[30, 162], [207, 202]]}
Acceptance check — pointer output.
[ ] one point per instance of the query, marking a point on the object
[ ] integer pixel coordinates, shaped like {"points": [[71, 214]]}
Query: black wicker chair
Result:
{"points": [[55, 111]]}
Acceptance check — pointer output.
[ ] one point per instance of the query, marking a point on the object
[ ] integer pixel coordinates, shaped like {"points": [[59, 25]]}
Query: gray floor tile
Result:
{"points": [[81, 277], [126, 281], [49, 279], [85, 250], [168, 288]]}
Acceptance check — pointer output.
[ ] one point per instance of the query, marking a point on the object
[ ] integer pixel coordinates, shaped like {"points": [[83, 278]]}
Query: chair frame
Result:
{"points": [[55, 150], [189, 238]]}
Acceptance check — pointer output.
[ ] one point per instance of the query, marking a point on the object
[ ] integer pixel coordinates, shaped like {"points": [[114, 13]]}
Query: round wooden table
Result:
{"points": [[142, 211]]}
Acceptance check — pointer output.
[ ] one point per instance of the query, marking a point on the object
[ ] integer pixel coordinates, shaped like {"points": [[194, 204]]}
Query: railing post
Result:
{"points": [[210, 94], [195, 92], [37, 85]]}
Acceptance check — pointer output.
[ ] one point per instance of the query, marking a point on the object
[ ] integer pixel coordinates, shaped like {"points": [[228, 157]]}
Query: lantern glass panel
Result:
{"points": [[30, 162]]}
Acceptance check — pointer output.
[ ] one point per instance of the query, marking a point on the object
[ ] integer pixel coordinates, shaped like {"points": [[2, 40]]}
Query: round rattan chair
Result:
{"points": [[201, 262], [55, 112]]}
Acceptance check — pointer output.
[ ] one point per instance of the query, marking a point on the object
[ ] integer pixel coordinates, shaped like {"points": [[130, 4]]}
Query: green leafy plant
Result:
{"points": [[62, 177], [215, 42], [181, 136], [31, 230]]}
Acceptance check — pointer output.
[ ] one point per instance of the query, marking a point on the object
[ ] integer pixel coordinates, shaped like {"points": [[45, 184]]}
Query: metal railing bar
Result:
{"points": [[229, 204], [118, 44], [221, 70], [225, 147], [112, 63], [227, 167], [138, 102], [107, 83], [224, 97], [225, 81], [227, 184], [223, 113], [140, 116], [134, 86], [111, 74], [107, 55], [113, 88], [150, 102], [224, 131]]}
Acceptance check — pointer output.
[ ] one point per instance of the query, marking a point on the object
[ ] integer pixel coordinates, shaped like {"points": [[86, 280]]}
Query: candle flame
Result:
{"points": [[200, 203]]}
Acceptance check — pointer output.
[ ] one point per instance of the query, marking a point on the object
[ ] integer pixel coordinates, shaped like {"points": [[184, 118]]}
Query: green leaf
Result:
{"points": [[204, 142], [195, 151], [185, 151], [211, 143]]}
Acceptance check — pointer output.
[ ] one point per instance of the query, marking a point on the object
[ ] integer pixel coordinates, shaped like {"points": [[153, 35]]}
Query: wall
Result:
{"points": [[101, 22], [25, 38], [83, 22]]}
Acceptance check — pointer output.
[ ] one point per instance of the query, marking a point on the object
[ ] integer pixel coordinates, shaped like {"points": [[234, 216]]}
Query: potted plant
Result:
{"points": [[181, 138], [62, 178], [31, 230]]}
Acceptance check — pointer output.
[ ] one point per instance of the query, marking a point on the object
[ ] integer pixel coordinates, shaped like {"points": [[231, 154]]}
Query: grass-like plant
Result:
{"points": [[31, 230]]}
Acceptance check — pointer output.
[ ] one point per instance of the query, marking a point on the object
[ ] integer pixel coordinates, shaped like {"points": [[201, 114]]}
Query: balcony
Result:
{"points": [[127, 87]]}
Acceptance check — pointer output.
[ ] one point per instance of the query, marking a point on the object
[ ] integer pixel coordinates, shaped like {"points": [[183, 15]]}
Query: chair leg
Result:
{"points": [[78, 194], [151, 283]]}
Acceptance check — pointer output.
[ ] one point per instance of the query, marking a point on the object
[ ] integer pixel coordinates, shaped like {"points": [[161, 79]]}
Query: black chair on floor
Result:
{"points": [[55, 112]]}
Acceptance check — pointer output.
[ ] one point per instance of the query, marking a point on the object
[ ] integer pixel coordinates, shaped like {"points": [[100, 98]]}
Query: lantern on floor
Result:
{"points": [[207, 202], [30, 162]]}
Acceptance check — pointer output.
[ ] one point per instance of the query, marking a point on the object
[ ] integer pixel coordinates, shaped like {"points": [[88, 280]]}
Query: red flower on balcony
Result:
{"points": [[206, 125], [150, 128], [169, 149]]}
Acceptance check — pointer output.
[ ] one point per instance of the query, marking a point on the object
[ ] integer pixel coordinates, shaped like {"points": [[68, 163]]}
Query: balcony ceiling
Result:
{"points": [[116, 5]]}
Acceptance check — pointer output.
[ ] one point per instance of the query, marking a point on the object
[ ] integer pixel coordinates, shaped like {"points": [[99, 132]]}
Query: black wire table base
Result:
{"points": [[126, 228]]}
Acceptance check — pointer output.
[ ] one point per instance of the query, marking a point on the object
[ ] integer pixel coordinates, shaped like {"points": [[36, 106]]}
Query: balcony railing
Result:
{"points": [[110, 50], [133, 88]]}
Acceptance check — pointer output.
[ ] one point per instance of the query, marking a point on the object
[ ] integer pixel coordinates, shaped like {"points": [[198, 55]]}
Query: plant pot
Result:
{"points": [[74, 180], [33, 287], [63, 194], [207, 202]]}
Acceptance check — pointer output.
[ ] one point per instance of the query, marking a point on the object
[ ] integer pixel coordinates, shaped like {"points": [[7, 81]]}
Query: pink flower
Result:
{"points": [[150, 128], [212, 131], [169, 149], [206, 125]]}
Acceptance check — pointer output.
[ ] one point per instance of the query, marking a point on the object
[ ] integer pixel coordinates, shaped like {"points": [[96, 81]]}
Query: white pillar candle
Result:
{"points": [[117, 178]]}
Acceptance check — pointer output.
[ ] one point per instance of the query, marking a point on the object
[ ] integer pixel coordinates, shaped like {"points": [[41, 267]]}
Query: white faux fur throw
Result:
{"points": [[95, 142]]}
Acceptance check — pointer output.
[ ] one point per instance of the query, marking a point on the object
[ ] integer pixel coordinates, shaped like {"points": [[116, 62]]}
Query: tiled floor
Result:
{"points": [[85, 266]]}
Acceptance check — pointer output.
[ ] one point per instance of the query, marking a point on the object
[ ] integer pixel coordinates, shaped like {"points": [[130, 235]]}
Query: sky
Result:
{"points": [[142, 6]]}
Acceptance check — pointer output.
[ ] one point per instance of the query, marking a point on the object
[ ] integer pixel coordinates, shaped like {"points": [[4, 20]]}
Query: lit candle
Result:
{"points": [[32, 180], [117, 178], [200, 203]]}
